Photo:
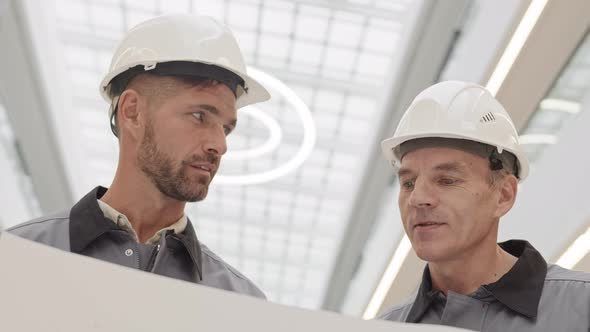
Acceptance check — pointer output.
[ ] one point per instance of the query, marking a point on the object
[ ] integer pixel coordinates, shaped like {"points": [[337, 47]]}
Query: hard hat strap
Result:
{"points": [[504, 160], [114, 106]]}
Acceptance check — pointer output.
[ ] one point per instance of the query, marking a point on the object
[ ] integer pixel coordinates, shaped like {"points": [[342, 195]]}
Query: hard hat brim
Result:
{"points": [[391, 151], [255, 92]]}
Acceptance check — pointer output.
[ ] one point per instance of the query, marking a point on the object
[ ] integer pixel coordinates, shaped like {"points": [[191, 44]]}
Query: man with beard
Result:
{"points": [[459, 163], [175, 84]]}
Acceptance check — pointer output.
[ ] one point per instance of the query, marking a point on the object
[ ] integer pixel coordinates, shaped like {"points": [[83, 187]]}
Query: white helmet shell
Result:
{"points": [[183, 37], [461, 110]]}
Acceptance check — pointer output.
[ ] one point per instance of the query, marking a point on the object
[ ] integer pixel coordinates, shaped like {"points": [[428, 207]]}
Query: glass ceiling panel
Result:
{"points": [[561, 105], [336, 55]]}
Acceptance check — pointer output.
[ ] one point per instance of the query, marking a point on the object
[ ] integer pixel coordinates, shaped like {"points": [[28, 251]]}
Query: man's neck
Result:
{"points": [[147, 209], [465, 275]]}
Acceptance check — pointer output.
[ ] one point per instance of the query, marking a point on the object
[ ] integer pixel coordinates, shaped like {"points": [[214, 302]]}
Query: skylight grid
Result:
{"points": [[284, 234]]}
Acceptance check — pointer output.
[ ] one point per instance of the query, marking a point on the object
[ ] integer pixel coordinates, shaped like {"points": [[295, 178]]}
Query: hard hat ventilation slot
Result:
{"points": [[488, 118]]}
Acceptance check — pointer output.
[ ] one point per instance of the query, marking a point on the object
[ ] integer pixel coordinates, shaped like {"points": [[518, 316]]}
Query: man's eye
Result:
{"points": [[227, 130], [198, 115], [408, 185], [447, 181]]}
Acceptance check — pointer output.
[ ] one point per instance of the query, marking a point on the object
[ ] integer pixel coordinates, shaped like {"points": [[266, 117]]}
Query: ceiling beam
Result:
{"points": [[427, 52], [559, 30], [26, 104]]}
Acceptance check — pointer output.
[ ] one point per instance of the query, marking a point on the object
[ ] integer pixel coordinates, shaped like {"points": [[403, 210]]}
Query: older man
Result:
{"points": [[459, 163]]}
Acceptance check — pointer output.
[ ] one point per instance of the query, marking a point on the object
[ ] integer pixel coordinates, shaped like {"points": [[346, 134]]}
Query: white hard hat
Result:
{"points": [[458, 110], [175, 42]]}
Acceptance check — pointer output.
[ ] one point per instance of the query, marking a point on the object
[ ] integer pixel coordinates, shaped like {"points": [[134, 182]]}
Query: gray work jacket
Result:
{"points": [[84, 230], [530, 297]]}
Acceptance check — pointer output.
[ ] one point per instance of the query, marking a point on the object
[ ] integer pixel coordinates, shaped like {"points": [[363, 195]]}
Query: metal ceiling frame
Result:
{"points": [[345, 5]]}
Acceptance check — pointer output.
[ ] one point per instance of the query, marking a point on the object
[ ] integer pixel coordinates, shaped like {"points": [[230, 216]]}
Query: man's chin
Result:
{"points": [[193, 199], [190, 194], [199, 194], [429, 252]]}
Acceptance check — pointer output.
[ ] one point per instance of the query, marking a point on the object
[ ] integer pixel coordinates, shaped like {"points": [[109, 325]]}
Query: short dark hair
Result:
{"points": [[154, 86], [188, 72]]}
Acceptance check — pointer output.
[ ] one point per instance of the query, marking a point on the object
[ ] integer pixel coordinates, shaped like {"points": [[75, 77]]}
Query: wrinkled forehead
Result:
{"points": [[444, 159]]}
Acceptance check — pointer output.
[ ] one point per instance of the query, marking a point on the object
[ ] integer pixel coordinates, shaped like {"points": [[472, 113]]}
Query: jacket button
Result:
{"points": [[128, 252]]}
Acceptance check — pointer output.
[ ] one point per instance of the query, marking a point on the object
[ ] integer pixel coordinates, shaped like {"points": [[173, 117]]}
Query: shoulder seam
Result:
{"points": [[227, 266], [36, 222], [572, 279], [394, 309]]}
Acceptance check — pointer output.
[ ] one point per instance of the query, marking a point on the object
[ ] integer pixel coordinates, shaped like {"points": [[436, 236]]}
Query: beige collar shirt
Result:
{"points": [[122, 221]]}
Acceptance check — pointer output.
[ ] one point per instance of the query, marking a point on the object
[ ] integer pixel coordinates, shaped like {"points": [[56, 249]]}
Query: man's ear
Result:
{"points": [[508, 188], [128, 114]]}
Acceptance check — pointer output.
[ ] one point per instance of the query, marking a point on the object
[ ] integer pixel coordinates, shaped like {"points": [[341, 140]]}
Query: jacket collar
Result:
{"points": [[87, 223], [423, 299], [190, 241], [520, 289]]}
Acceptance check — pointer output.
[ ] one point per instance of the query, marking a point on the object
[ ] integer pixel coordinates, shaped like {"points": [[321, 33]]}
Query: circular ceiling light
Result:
{"points": [[272, 142], [307, 145]]}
